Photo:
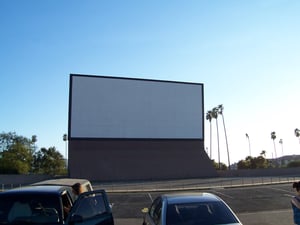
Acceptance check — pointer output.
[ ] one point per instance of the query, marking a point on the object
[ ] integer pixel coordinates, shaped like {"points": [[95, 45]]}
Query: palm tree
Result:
{"points": [[215, 112], [34, 140], [209, 118], [297, 133], [220, 111], [65, 138], [273, 137], [247, 136], [281, 143], [263, 153]]}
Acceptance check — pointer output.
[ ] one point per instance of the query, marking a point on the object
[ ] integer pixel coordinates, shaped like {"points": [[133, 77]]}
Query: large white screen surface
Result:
{"points": [[109, 107]]}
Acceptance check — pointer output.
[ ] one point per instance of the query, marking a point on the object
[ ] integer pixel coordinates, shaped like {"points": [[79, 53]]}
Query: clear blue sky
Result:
{"points": [[246, 53]]}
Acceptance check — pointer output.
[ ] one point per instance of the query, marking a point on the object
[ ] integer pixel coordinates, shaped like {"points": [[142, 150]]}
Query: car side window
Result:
{"points": [[90, 206], [34, 208], [67, 204], [155, 211]]}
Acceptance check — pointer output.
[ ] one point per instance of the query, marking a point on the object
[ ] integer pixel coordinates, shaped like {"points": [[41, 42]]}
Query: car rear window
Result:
{"points": [[199, 213]]}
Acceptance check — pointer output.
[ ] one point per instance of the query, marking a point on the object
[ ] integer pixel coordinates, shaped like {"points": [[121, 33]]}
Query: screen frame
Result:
{"points": [[71, 136]]}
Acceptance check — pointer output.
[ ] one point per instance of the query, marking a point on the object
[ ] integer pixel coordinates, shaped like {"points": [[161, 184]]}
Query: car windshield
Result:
{"points": [[199, 214], [29, 209]]}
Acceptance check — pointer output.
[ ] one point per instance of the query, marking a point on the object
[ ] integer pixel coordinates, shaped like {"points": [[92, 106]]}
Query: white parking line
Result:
{"points": [[279, 189], [266, 212], [289, 195], [220, 193], [149, 195]]}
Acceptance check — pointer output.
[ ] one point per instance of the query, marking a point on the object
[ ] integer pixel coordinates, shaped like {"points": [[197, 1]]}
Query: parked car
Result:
{"points": [[46, 204], [189, 209], [85, 184]]}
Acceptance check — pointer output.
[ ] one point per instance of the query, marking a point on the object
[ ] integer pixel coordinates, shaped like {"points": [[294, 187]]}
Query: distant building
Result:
{"points": [[285, 160], [136, 129]]}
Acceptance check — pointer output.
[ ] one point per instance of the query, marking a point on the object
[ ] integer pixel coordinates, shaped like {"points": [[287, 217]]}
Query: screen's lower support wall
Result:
{"points": [[117, 160]]}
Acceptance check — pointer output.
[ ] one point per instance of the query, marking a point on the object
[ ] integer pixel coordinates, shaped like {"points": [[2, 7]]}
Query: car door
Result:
{"points": [[154, 216], [91, 208]]}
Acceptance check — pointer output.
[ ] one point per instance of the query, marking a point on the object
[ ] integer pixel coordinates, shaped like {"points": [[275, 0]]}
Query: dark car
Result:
{"points": [[48, 205], [189, 209]]}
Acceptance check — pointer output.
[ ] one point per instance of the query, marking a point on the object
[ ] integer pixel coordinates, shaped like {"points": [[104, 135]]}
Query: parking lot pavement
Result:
{"points": [[193, 184], [254, 205], [128, 221], [276, 217]]}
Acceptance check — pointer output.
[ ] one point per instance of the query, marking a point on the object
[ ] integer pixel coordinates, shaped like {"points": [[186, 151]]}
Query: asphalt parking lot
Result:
{"points": [[263, 204]]}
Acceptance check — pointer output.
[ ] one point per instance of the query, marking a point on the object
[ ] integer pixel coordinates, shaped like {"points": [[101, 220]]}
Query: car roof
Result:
{"points": [[190, 197], [63, 181], [54, 189]]}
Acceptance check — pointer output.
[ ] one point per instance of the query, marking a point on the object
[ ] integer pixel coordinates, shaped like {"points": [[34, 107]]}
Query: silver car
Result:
{"points": [[189, 209]]}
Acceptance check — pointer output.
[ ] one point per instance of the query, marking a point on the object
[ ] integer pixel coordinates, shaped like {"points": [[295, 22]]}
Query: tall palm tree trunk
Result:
{"points": [[273, 137], [210, 137], [275, 149], [297, 134], [209, 117], [228, 157], [218, 143], [247, 136]]}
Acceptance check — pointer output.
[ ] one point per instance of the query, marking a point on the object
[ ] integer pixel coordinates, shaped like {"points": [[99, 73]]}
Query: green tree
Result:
{"points": [[253, 163], [16, 160], [243, 164], [293, 164], [37, 162], [219, 166], [7, 140], [15, 153], [49, 161], [260, 162], [250, 161]]}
